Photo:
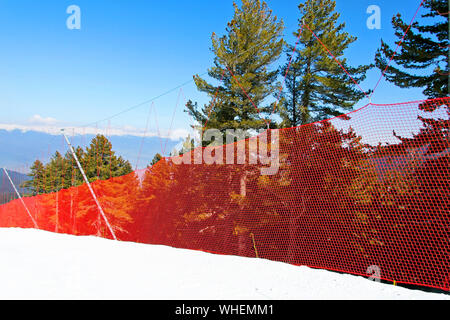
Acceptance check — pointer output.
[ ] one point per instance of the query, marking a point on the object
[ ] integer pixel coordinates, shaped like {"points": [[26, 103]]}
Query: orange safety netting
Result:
{"points": [[370, 188]]}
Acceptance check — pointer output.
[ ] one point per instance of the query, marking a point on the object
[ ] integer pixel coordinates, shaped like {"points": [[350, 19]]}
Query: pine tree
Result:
{"points": [[101, 161], [252, 43], [54, 173], [35, 185], [422, 61], [316, 85], [73, 176], [156, 159], [187, 146]]}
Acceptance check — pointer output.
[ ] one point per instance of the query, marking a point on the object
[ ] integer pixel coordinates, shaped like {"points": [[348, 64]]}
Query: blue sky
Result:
{"points": [[129, 51]]}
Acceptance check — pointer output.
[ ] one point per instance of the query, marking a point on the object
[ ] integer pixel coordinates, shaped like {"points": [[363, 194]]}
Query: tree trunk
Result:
{"points": [[241, 238]]}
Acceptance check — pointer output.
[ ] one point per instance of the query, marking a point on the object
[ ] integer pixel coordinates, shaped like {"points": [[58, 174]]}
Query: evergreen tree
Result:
{"points": [[425, 49], [35, 185], [73, 176], [252, 43], [316, 86], [156, 159], [54, 173], [99, 162], [188, 145]]}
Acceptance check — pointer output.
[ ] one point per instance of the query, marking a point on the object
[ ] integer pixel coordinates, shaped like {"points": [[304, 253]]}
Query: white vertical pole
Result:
{"points": [[20, 197], [89, 185]]}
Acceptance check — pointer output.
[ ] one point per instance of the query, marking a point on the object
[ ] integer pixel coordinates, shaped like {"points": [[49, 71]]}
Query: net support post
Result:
{"points": [[20, 197]]}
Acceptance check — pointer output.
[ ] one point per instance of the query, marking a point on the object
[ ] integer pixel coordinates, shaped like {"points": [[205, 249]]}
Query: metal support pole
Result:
{"points": [[89, 185], [20, 197]]}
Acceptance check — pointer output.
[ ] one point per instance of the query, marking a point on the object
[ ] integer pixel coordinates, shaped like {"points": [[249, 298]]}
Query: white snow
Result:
{"points": [[41, 265]]}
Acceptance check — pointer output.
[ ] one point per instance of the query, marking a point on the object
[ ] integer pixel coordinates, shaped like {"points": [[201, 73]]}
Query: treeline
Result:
{"points": [[98, 160]]}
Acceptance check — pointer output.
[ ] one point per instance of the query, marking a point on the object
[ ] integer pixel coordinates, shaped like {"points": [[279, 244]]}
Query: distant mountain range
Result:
{"points": [[6, 189], [19, 148]]}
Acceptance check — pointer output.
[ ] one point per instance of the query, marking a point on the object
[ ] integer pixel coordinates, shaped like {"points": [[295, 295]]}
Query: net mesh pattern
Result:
{"points": [[370, 188]]}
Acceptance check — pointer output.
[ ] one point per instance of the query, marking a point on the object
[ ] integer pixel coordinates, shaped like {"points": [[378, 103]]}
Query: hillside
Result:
{"points": [[42, 265], [6, 189]]}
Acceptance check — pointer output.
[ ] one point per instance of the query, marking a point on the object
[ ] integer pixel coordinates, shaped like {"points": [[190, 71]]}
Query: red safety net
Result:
{"points": [[370, 188]]}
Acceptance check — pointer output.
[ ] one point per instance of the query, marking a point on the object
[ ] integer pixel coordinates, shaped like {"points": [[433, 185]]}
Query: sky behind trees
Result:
{"points": [[127, 52]]}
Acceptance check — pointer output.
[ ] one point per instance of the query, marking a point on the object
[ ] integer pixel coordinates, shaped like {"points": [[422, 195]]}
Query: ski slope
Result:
{"points": [[41, 265]]}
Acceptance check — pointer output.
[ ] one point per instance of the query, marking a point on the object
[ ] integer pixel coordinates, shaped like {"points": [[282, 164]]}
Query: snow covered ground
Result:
{"points": [[41, 265]]}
